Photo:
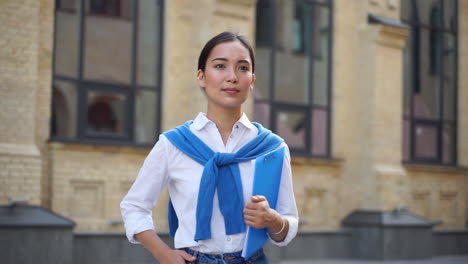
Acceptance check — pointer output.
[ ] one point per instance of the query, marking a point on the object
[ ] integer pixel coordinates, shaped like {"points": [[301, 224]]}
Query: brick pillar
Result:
{"points": [[20, 162], [380, 123]]}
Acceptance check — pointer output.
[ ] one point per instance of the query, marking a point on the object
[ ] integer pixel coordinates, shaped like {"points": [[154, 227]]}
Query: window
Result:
{"points": [[107, 68], [292, 92], [105, 7], [430, 82]]}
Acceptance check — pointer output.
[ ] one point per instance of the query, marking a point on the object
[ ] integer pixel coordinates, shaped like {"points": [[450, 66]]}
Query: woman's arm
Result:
{"points": [[282, 223], [141, 198], [163, 253], [258, 214], [136, 206]]}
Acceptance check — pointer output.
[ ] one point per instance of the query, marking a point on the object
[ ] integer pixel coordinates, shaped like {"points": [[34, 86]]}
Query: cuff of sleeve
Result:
{"points": [[292, 231], [130, 232]]}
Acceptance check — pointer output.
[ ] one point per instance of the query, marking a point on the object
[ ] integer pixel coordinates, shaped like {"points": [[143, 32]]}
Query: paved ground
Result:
{"points": [[436, 260]]}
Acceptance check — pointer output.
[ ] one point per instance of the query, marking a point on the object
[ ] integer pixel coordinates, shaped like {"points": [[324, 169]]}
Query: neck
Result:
{"points": [[224, 120]]}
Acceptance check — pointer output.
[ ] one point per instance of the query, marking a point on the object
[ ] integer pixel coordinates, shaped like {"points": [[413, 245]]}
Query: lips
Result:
{"points": [[230, 91]]}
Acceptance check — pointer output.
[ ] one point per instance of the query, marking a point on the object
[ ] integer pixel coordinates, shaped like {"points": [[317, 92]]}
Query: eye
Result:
{"points": [[220, 66], [244, 68]]}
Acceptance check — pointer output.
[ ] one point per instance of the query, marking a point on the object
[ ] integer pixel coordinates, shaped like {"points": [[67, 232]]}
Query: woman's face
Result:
{"points": [[228, 77]]}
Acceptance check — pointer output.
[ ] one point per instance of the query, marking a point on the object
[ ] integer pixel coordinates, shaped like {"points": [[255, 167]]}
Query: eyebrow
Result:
{"points": [[224, 59]]}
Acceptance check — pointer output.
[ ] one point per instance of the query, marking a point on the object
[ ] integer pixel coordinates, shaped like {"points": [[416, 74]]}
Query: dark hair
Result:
{"points": [[221, 38]]}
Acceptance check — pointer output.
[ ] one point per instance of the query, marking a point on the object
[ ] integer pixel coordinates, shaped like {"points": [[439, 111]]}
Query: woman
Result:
{"points": [[208, 166]]}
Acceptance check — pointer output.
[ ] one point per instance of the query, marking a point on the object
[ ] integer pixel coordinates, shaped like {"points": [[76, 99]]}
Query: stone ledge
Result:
{"points": [[435, 168], [98, 148], [19, 149], [335, 163]]}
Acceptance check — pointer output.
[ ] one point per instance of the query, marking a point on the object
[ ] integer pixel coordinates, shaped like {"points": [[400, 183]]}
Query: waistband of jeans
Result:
{"points": [[232, 256]]}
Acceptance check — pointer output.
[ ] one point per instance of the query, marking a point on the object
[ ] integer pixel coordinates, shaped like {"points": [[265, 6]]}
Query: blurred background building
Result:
{"points": [[370, 95]]}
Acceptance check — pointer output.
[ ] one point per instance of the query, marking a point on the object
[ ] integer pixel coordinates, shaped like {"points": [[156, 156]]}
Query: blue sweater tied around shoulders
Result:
{"points": [[221, 173]]}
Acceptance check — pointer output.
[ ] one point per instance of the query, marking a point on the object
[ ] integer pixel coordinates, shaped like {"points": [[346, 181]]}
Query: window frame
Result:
{"points": [[309, 107], [84, 86], [438, 123]]}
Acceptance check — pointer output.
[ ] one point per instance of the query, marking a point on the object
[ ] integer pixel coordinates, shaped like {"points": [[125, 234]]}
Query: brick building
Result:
{"points": [[371, 96]]}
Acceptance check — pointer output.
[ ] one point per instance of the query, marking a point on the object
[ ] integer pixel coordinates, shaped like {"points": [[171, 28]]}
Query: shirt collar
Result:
{"points": [[201, 121], [244, 120]]}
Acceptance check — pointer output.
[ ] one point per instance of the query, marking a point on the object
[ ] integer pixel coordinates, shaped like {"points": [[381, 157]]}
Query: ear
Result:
{"points": [[254, 78], [201, 78]]}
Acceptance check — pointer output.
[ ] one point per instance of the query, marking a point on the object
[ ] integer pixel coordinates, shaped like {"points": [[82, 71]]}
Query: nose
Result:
{"points": [[232, 76]]}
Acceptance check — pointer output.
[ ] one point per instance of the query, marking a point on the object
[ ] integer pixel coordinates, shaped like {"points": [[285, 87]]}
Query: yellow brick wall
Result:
{"points": [[316, 187], [88, 183], [19, 177], [438, 194], [20, 161]]}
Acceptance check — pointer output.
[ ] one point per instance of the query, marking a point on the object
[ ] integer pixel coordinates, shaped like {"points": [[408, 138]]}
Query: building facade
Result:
{"points": [[370, 95]]}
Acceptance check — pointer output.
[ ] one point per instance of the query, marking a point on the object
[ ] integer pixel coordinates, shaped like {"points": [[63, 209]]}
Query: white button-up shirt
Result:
{"points": [[167, 166]]}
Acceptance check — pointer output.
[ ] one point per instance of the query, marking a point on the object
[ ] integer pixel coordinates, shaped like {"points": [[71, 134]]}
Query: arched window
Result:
{"points": [[430, 82], [107, 63], [293, 87]]}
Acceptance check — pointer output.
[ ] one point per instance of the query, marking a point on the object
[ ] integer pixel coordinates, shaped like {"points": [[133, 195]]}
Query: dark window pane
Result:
{"points": [[319, 132], [292, 66], [299, 24], [320, 39], [146, 112], [64, 109], [322, 2], [291, 126], [406, 139], [448, 140], [108, 44], [450, 9], [105, 7], [408, 75], [66, 61], [426, 141], [429, 11], [69, 5], [106, 114], [449, 77], [126, 8], [405, 10], [148, 43], [264, 20], [262, 114], [436, 38], [263, 51], [262, 72], [426, 102]]}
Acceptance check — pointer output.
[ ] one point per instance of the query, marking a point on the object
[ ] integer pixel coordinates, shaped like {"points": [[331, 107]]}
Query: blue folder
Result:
{"points": [[267, 178]]}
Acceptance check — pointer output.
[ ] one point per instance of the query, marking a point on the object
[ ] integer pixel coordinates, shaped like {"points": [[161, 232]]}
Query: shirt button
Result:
{"points": [[237, 126], [228, 239]]}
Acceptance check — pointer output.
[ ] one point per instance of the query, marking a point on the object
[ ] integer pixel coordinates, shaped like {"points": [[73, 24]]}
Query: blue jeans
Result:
{"points": [[227, 258]]}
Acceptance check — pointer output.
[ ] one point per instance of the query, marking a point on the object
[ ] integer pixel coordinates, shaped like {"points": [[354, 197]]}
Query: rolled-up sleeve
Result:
{"points": [[136, 207], [286, 204]]}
